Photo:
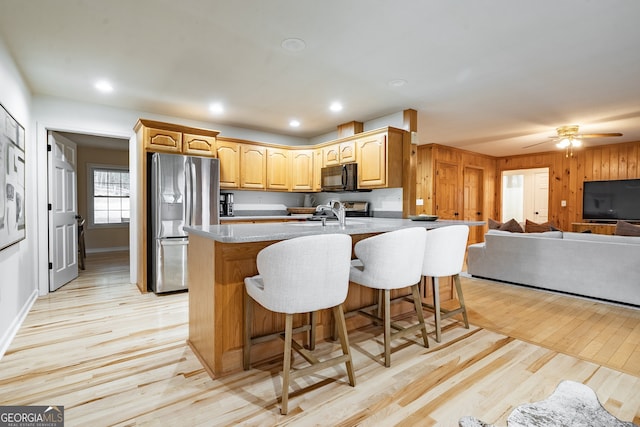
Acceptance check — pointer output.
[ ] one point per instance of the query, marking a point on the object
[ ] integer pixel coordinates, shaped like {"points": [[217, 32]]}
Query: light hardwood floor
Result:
{"points": [[112, 356]]}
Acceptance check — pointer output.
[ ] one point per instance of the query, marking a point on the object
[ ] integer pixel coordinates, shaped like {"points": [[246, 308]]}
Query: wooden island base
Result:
{"points": [[216, 285]]}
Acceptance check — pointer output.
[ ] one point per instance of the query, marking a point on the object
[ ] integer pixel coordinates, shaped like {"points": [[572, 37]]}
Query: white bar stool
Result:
{"points": [[301, 275], [443, 257], [389, 261]]}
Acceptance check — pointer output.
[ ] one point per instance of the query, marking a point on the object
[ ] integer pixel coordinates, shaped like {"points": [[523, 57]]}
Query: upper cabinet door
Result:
{"points": [[198, 145], [347, 152], [253, 167], [302, 171], [331, 155], [229, 155], [164, 141], [278, 169], [372, 163]]}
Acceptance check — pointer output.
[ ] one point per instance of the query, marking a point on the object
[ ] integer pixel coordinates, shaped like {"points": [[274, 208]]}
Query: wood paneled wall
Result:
{"points": [[429, 155], [567, 175]]}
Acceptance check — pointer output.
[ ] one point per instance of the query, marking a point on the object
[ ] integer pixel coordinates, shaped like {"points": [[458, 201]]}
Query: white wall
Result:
{"points": [[18, 281]]}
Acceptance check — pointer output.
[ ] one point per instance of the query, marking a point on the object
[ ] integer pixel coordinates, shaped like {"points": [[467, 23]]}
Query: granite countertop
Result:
{"points": [[243, 233], [264, 217]]}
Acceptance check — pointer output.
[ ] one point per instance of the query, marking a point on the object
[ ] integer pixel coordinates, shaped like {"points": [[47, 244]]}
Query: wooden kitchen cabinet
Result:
{"points": [[162, 140], [347, 152], [278, 169], [380, 159], [372, 164], [302, 171], [170, 138], [253, 167], [331, 155], [198, 145], [228, 152], [337, 154]]}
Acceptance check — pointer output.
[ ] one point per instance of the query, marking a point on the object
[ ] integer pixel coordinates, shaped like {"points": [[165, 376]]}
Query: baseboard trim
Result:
{"points": [[113, 249], [8, 337]]}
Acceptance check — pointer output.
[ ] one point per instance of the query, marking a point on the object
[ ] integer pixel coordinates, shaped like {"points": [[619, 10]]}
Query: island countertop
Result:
{"points": [[221, 256], [245, 233]]}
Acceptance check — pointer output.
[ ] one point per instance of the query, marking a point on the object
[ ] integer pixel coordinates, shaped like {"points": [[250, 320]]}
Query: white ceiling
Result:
{"points": [[490, 76]]}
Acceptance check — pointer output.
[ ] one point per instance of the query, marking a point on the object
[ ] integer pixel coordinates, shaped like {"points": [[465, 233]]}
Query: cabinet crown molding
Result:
{"points": [[174, 127]]}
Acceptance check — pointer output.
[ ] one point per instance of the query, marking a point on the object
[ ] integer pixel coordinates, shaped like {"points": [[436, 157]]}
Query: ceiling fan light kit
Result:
{"points": [[568, 137]]}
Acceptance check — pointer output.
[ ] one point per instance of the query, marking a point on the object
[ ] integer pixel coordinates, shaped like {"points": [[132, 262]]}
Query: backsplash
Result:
{"points": [[385, 202]]}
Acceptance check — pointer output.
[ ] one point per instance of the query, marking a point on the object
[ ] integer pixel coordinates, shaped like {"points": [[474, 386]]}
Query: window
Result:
{"points": [[108, 195]]}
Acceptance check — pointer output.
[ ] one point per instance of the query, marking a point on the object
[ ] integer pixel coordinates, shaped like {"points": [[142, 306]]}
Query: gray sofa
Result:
{"points": [[591, 265]]}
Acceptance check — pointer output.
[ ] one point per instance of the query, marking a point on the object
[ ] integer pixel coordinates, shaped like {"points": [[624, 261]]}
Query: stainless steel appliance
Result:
{"points": [[184, 190], [226, 204], [340, 177]]}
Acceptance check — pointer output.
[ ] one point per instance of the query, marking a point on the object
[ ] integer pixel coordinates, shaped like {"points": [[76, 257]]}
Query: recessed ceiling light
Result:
{"points": [[294, 123], [397, 82], [335, 106], [216, 108], [293, 45], [104, 86]]}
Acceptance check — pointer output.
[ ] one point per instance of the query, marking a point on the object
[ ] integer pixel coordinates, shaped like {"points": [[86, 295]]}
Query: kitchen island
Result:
{"points": [[221, 256]]}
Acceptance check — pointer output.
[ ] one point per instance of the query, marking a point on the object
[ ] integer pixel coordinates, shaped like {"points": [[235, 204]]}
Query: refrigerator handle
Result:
{"points": [[188, 206], [157, 194]]}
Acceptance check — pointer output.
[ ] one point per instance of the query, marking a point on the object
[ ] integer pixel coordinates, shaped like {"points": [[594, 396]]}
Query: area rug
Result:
{"points": [[571, 404]]}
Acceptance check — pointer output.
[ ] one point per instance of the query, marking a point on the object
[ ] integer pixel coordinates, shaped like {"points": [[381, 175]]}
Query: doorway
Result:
{"points": [[525, 195], [86, 153]]}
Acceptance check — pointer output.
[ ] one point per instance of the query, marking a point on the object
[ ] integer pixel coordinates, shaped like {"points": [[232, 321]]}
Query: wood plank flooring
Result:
{"points": [[112, 356]]}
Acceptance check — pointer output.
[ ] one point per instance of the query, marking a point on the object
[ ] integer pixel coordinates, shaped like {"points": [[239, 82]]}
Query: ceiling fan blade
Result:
{"points": [[598, 135], [536, 144]]}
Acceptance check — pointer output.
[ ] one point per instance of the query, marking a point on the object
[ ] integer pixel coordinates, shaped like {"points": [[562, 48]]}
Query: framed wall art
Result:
{"points": [[12, 180]]}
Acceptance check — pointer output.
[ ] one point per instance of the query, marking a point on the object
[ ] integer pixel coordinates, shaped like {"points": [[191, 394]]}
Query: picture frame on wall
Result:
{"points": [[12, 180]]}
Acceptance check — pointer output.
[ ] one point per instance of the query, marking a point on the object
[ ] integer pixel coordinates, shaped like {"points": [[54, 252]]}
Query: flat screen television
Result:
{"points": [[611, 200]]}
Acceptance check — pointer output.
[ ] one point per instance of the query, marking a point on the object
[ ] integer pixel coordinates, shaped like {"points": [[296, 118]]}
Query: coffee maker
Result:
{"points": [[226, 204]]}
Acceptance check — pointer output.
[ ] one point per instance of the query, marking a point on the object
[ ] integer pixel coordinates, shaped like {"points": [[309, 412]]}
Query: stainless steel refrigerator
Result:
{"points": [[184, 190]]}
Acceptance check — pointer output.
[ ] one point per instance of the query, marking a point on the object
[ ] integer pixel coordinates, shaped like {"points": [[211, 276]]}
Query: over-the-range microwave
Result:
{"points": [[340, 177]]}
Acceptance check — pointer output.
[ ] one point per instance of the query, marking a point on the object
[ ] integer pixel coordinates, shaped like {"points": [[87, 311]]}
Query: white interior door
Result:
{"points": [[63, 197], [541, 197]]}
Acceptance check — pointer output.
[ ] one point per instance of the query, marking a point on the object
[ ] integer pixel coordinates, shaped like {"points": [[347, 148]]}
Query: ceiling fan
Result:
{"points": [[568, 138]]}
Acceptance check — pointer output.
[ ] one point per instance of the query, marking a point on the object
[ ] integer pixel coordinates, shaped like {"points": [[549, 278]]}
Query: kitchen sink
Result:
{"points": [[327, 224]]}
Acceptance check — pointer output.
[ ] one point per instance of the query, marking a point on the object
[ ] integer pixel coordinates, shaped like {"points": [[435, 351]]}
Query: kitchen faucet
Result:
{"points": [[337, 208]]}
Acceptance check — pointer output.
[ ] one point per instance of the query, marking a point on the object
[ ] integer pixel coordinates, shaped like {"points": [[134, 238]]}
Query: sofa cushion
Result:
{"points": [[549, 234], [511, 225], [534, 227], [624, 228]]}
